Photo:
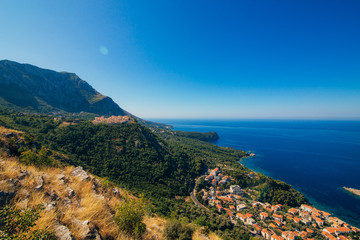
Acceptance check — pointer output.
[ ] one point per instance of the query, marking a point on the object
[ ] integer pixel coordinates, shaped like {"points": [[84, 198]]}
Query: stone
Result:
{"points": [[40, 182], [50, 206], [85, 231], [67, 201], [61, 178], [70, 192], [80, 173], [53, 196], [96, 184], [116, 192], [23, 174], [63, 233]]}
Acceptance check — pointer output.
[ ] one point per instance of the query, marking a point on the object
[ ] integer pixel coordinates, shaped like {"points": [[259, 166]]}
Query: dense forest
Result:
{"points": [[128, 154], [207, 136]]}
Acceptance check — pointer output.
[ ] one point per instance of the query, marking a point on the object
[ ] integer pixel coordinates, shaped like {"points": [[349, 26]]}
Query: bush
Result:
{"points": [[176, 230], [129, 216], [15, 224], [43, 158], [28, 158]]}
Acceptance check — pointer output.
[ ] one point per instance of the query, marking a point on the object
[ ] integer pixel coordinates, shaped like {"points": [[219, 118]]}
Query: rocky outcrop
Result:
{"points": [[80, 173], [60, 194]]}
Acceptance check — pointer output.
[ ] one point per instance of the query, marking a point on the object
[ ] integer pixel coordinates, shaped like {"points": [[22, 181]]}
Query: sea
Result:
{"points": [[316, 157]]}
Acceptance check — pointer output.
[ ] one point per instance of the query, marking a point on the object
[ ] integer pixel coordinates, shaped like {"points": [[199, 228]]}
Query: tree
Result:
{"points": [[28, 158]]}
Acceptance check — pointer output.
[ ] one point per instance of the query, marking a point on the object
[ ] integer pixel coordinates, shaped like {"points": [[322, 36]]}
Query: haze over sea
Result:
{"points": [[317, 158]]}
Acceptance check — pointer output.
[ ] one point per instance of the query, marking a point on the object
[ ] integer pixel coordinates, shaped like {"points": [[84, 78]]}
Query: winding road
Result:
{"points": [[193, 195]]}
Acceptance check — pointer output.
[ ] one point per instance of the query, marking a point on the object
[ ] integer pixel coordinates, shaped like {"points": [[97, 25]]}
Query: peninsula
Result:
{"points": [[353, 191]]}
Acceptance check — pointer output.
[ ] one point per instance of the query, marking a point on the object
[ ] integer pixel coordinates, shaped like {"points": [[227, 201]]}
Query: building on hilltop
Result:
{"points": [[112, 119]]}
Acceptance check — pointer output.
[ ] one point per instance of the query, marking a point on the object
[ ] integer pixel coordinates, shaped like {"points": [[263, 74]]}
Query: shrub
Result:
{"points": [[129, 216], [28, 158], [15, 224]]}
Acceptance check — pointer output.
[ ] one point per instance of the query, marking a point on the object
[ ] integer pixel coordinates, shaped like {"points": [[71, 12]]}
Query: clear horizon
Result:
{"points": [[290, 60]]}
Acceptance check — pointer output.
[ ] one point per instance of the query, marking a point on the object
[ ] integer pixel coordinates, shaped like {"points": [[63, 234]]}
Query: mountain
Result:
{"points": [[30, 88]]}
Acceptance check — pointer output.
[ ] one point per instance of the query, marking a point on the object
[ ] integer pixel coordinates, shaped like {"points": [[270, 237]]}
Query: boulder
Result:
{"points": [[63, 233], [61, 178], [50, 206], [40, 182], [85, 230], [70, 192], [96, 185], [80, 173], [23, 174], [116, 192]]}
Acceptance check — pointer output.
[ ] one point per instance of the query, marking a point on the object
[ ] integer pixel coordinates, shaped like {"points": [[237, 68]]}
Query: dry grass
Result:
{"points": [[213, 236], [4, 130], [154, 227], [30, 181], [81, 188], [11, 169], [37, 198], [198, 236], [47, 219], [95, 209], [52, 183]]}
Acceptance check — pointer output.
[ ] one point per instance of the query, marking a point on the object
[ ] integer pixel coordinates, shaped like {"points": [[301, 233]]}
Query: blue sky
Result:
{"points": [[198, 59]]}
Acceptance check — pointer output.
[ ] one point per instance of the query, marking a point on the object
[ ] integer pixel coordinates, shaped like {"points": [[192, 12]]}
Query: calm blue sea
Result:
{"points": [[317, 158]]}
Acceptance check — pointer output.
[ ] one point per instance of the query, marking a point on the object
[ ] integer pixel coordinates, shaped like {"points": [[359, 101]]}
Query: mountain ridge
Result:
{"points": [[25, 86]]}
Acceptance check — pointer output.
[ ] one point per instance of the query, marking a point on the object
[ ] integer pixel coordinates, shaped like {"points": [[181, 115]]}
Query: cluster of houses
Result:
{"points": [[272, 221], [216, 178], [112, 119]]}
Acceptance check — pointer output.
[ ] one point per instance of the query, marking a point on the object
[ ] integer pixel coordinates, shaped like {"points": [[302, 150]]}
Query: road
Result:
{"points": [[193, 195]]}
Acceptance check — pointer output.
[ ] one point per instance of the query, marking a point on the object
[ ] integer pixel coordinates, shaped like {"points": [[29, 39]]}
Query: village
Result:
{"points": [[112, 119], [271, 222]]}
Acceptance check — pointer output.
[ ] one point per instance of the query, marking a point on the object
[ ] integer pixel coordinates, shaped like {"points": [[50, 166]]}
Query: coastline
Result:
{"points": [[353, 191], [271, 145]]}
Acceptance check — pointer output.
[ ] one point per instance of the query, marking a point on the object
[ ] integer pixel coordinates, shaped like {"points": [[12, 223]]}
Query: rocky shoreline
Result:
{"points": [[352, 190]]}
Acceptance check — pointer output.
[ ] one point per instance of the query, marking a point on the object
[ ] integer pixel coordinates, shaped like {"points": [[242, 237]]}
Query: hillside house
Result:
{"points": [[266, 234], [236, 190], [276, 237], [306, 208], [293, 211], [278, 217], [240, 207], [215, 171], [264, 215]]}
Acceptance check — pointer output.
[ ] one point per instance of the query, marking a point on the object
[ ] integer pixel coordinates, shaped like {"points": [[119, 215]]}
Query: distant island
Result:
{"points": [[353, 191]]}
